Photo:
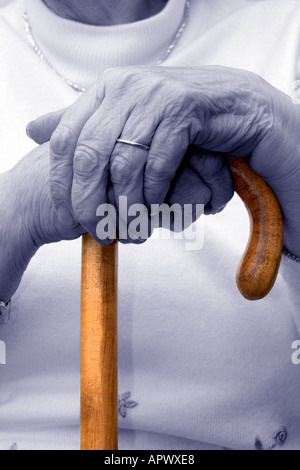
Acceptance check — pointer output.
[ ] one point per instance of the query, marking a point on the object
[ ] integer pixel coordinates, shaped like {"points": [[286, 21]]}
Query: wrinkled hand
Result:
{"points": [[30, 220], [28, 217], [216, 109]]}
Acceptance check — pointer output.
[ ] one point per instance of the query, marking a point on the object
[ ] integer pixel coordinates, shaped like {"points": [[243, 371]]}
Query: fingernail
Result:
{"points": [[66, 217]]}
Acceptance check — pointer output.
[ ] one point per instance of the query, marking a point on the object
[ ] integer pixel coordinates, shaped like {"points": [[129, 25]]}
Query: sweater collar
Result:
{"points": [[82, 52]]}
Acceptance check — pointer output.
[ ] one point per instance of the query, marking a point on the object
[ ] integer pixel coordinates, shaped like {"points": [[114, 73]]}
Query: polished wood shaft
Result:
{"points": [[99, 360]]}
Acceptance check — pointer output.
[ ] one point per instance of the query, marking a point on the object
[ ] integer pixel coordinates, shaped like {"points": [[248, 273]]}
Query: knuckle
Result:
{"points": [[221, 196], [121, 168], [119, 82], [58, 192], [206, 195], [209, 166], [111, 74], [86, 162], [61, 140], [85, 216], [158, 170]]}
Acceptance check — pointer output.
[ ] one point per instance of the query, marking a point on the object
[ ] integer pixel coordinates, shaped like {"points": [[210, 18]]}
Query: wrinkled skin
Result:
{"points": [[215, 110]]}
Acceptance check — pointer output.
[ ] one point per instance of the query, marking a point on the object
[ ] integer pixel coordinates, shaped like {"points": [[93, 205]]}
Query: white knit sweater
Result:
{"points": [[205, 367]]}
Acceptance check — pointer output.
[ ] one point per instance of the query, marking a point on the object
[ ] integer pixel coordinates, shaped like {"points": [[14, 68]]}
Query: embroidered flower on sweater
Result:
{"points": [[279, 439], [124, 404]]}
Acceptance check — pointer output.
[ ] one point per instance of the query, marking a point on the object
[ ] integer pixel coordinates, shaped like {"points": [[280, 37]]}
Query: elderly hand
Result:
{"points": [[213, 108], [28, 218]]}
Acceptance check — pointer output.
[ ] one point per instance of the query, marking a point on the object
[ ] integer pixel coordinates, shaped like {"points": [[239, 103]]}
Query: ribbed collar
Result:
{"points": [[81, 52]]}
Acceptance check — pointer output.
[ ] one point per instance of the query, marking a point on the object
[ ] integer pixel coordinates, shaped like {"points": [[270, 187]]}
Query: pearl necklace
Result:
{"points": [[75, 86]]}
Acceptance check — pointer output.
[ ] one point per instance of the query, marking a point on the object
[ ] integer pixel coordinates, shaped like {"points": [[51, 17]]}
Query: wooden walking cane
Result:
{"points": [[99, 363], [99, 346]]}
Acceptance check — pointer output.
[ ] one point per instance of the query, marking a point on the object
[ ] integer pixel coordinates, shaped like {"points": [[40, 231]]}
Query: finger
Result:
{"points": [[62, 149], [91, 165], [122, 227], [127, 169], [41, 129], [167, 151], [188, 189], [215, 173], [127, 174]]}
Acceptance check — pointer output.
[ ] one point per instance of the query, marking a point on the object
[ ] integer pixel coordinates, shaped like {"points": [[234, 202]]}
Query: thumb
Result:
{"points": [[41, 129]]}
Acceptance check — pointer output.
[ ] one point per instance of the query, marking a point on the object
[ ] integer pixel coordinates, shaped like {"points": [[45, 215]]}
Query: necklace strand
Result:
{"points": [[34, 44]]}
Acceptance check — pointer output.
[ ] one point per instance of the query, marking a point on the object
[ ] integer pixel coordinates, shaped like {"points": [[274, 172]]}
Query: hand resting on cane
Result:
{"points": [[217, 109], [31, 220], [62, 193]]}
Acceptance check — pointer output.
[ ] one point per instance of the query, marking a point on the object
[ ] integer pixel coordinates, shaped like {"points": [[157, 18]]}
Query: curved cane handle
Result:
{"points": [[259, 267], [255, 278]]}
